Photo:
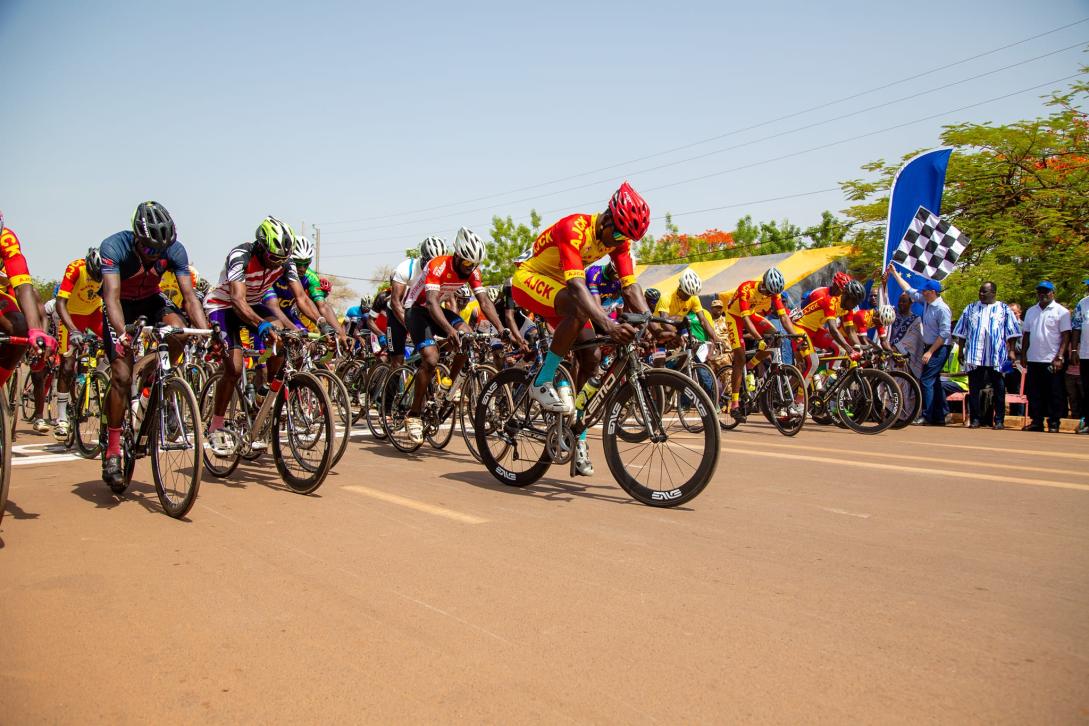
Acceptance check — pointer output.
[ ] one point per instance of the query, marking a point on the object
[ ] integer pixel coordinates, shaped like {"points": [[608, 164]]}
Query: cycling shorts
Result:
{"points": [[537, 294], [396, 334], [735, 328], [90, 321], [8, 303], [422, 327], [155, 308], [231, 326]]}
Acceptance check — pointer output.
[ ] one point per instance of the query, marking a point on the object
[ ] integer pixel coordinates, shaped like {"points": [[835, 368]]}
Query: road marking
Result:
{"points": [[45, 459], [1038, 452], [909, 457], [917, 469], [415, 504], [833, 510]]}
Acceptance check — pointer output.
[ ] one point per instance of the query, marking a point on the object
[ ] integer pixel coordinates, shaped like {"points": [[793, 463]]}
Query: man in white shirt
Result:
{"points": [[1046, 337], [1079, 353]]}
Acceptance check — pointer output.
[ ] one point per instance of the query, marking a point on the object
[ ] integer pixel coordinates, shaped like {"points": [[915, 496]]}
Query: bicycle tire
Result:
{"points": [[474, 385], [789, 379], [912, 396], [176, 386], [393, 410], [5, 461], [26, 399], [342, 407], [128, 454], [318, 424], [376, 378], [857, 417], [438, 433], [702, 473], [90, 400], [704, 377], [238, 418], [497, 402]]}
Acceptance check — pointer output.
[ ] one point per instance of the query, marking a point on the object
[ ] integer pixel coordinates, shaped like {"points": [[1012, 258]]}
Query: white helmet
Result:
{"points": [[691, 284], [886, 314], [773, 281], [432, 247], [464, 291], [468, 246], [302, 250], [366, 301]]}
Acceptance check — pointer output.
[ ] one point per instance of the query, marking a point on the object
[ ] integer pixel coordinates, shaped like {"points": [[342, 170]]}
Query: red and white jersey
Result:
{"points": [[441, 278], [244, 266]]}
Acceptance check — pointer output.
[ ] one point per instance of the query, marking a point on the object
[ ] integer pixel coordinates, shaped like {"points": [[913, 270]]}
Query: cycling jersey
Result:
{"points": [[244, 266], [748, 300], [12, 263], [863, 320], [119, 257], [821, 308], [563, 251], [595, 280], [673, 306], [355, 313], [442, 279], [467, 312], [281, 290], [169, 285], [79, 290]]}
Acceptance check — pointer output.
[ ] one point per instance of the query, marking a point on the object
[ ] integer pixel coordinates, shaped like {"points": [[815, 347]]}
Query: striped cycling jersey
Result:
{"points": [[244, 266], [408, 273]]}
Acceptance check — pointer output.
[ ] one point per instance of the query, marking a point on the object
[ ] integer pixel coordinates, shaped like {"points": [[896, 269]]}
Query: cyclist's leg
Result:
{"points": [[230, 327], [12, 322], [397, 336], [459, 358], [420, 328], [540, 296]]}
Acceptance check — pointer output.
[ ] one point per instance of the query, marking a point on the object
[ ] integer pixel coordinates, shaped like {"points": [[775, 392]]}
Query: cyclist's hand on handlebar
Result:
{"points": [[454, 337], [664, 333], [123, 346], [622, 333]]}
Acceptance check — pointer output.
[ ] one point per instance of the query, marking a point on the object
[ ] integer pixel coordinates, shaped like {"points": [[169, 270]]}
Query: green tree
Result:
{"points": [[44, 287], [508, 242], [1019, 191]]}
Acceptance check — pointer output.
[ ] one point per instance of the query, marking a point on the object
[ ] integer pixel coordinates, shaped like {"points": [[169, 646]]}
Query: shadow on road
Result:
{"points": [[18, 512], [97, 493], [550, 489], [261, 472]]}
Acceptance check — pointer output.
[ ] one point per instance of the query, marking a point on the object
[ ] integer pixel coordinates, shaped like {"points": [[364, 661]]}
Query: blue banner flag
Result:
{"points": [[919, 183]]}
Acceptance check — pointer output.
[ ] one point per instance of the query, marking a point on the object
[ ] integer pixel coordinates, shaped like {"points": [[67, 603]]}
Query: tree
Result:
{"points": [[44, 287], [508, 242], [343, 295], [1020, 192]]}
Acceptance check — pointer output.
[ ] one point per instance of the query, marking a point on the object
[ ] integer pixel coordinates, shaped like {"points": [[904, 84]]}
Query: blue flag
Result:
{"points": [[919, 183]]}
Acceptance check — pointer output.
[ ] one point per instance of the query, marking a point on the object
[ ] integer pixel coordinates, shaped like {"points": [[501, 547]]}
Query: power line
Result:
{"points": [[749, 165], [784, 117]]}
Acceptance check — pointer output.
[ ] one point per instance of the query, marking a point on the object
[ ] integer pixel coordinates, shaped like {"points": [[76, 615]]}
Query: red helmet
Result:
{"points": [[631, 215], [325, 285], [840, 280]]}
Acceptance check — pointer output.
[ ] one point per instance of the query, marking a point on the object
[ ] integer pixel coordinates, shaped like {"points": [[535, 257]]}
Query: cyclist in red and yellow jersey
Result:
{"points": [[819, 319], [20, 308], [746, 309], [552, 283], [79, 306]]}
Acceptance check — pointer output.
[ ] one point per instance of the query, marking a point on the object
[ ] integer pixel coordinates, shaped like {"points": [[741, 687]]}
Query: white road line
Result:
{"points": [[1038, 452], [417, 505], [833, 510]]}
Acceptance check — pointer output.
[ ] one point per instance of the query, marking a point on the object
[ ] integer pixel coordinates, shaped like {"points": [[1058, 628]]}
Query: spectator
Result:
{"points": [[986, 333], [1046, 336], [906, 334], [937, 340], [721, 361], [1079, 353]]}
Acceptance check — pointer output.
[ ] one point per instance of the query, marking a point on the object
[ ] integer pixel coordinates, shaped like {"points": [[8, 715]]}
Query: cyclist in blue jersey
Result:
{"points": [[603, 281], [280, 298], [133, 263]]}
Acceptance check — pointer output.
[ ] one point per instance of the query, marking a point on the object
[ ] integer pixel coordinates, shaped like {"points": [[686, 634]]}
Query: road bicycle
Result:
{"points": [[658, 459], [864, 400], [88, 401], [6, 419], [780, 391]]}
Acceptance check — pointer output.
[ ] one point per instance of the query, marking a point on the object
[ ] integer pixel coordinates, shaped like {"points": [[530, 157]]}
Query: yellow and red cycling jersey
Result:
{"points": [[748, 300], [821, 308], [13, 270], [564, 250], [168, 285], [863, 320], [81, 292]]}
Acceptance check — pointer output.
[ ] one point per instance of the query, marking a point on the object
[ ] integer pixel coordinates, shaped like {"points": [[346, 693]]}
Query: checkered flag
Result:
{"points": [[931, 246]]}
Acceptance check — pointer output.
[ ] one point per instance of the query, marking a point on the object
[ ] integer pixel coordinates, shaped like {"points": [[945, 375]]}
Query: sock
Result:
{"points": [[548, 370], [5, 374], [113, 442], [582, 436], [217, 423], [735, 396], [62, 407]]}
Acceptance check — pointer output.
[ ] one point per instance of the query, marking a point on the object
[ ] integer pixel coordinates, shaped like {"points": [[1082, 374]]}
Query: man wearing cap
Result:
{"points": [[1079, 353], [937, 342], [1046, 337], [722, 361]]}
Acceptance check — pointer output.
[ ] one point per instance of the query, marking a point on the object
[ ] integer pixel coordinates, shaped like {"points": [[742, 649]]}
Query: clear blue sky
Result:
{"points": [[328, 112]]}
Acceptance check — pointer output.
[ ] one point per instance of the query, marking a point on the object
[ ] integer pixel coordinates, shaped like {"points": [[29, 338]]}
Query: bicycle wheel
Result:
{"points": [[511, 430], [687, 411], [785, 401], [354, 375], [376, 378], [911, 395], [5, 461], [342, 410], [128, 454], [302, 433], [470, 395], [394, 403], [176, 447], [887, 401], [863, 409], [439, 420], [672, 464], [89, 402], [26, 399], [237, 421]]}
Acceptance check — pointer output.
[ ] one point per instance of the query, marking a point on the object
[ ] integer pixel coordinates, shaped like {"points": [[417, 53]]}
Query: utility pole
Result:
{"points": [[317, 247]]}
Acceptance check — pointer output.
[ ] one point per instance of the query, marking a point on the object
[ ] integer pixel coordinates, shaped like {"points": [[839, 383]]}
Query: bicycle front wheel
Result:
{"points": [[237, 421], [375, 379], [673, 463], [398, 391], [342, 409], [785, 401], [511, 430], [89, 405], [176, 448], [302, 433], [687, 411], [911, 396]]}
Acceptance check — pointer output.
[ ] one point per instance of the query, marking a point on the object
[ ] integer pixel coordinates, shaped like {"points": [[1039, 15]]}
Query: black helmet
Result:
{"points": [[153, 226], [855, 290], [652, 296], [94, 263]]}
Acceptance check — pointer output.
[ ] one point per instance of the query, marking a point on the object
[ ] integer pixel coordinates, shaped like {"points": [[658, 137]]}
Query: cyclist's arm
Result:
{"points": [[272, 302], [837, 336], [397, 301], [192, 305], [305, 304], [111, 301], [373, 327], [488, 310], [66, 318], [242, 306], [434, 307], [586, 304], [705, 321]]}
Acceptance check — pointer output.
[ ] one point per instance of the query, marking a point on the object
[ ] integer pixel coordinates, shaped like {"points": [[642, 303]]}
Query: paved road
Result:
{"points": [[825, 578]]}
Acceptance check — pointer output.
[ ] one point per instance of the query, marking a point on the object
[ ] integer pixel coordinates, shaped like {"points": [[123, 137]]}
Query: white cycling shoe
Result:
{"points": [[221, 442], [549, 399], [60, 431], [583, 467], [415, 430]]}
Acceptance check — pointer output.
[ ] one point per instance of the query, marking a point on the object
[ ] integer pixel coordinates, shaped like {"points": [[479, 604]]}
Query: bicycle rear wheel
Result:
{"points": [[237, 421], [868, 401], [89, 400], [911, 395], [470, 394], [687, 411], [440, 428], [302, 433], [176, 447], [785, 400], [673, 463], [375, 379], [398, 391], [511, 430], [342, 408]]}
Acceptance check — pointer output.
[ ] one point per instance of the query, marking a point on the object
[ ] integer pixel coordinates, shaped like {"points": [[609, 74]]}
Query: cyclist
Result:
{"points": [[281, 297], [361, 319], [745, 311], [133, 263], [405, 276], [603, 282], [443, 276], [820, 321], [20, 308], [467, 307], [79, 306], [168, 285], [552, 283], [237, 304]]}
